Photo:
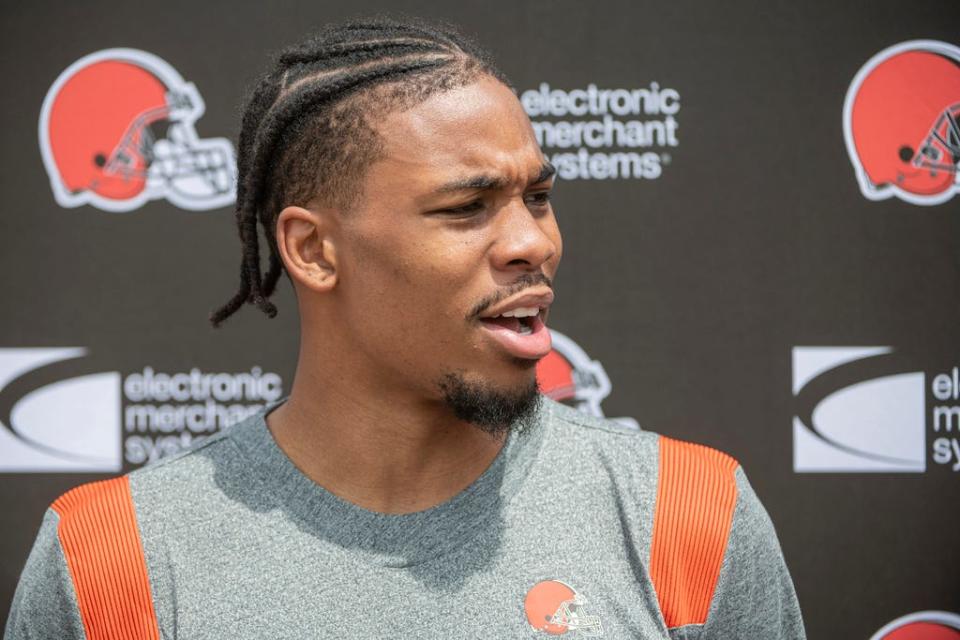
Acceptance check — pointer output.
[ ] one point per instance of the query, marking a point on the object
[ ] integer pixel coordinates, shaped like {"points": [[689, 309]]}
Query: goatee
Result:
{"points": [[491, 410]]}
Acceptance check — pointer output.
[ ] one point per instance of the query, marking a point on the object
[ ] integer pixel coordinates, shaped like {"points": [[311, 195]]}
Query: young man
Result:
{"points": [[414, 483]]}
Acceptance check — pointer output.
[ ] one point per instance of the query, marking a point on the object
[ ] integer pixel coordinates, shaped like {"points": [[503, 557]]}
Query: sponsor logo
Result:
{"points": [[865, 409], [61, 412], [568, 375], [117, 130], [923, 625], [554, 607], [605, 134], [68, 424], [166, 412], [901, 123]]}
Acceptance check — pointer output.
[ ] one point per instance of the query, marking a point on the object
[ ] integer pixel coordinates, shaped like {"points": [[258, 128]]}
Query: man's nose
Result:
{"points": [[526, 239]]}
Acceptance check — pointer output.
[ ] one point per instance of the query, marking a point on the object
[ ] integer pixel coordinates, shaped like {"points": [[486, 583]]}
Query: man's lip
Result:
{"points": [[533, 345], [540, 297]]}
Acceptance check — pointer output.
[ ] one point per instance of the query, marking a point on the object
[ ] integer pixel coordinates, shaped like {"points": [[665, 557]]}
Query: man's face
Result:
{"points": [[454, 225]]}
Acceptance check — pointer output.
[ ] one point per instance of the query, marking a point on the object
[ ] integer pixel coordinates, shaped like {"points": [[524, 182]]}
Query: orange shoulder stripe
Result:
{"points": [[101, 542], [696, 495]]}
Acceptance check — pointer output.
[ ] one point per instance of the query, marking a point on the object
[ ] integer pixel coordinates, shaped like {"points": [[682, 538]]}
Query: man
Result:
{"points": [[414, 483]]}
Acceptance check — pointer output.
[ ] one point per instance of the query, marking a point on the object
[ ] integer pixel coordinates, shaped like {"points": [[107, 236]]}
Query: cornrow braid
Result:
{"points": [[305, 133]]}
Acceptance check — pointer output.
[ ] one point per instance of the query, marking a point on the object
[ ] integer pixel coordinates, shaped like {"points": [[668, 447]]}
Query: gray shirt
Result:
{"points": [[554, 537]]}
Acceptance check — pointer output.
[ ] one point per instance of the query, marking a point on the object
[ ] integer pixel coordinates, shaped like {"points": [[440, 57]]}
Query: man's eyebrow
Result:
{"points": [[484, 182], [546, 171]]}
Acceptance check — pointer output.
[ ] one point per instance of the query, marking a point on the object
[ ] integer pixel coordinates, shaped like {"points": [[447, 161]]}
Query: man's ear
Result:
{"points": [[306, 239]]}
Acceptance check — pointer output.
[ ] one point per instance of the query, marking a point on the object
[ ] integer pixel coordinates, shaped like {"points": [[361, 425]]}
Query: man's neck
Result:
{"points": [[377, 453]]}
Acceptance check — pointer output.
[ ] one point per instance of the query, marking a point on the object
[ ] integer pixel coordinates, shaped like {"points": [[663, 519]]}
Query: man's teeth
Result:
{"points": [[521, 312], [525, 330]]}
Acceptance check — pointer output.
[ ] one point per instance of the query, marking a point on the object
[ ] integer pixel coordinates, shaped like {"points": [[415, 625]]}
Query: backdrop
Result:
{"points": [[761, 254]]}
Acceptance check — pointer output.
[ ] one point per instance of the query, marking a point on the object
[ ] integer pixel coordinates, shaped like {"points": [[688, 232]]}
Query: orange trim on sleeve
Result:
{"points": [[696, 495], [101, 542]]}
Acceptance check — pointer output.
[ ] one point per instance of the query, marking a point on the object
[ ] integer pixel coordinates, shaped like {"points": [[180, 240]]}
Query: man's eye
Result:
{"points": [[539, 199], [473, 207]]}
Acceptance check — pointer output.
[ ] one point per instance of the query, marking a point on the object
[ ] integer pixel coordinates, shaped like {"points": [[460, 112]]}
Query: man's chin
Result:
{"points": [[496, 410]]}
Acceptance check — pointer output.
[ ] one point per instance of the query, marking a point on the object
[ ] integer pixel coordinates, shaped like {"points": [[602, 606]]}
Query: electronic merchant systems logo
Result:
{"points": [[117, 130], [61, 412], [901, 123], [865, 409], [605, 134]]}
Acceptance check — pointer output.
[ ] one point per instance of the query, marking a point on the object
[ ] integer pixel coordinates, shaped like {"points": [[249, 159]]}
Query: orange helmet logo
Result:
{"points": [[555, 607], [117, 130], [901, 122]]}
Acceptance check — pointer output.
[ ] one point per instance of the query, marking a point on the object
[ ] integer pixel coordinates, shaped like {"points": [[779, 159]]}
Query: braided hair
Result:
{"points": [[306, 134]]}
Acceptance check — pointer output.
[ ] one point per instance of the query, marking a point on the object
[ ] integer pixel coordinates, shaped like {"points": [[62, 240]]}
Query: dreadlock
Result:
{"points": [[306, 134]]}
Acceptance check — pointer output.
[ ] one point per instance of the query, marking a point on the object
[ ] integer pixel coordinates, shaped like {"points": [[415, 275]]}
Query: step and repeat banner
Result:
{"points": [[761, 220]]}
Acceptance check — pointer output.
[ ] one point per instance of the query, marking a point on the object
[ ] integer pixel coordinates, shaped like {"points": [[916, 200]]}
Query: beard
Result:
{"points": [[493, 411]]}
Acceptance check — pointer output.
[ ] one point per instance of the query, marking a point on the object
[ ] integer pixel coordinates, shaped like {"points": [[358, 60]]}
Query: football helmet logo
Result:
{"points": [[568, 375], [901, 123], [117, 130], [556, 608], [922, 625]]}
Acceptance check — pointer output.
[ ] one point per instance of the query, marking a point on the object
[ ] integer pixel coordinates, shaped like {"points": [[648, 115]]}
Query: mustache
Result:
{"points": [[523, 282]]}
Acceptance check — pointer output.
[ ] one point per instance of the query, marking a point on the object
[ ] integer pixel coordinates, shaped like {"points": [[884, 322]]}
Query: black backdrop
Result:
{"points": [[700, 291]]}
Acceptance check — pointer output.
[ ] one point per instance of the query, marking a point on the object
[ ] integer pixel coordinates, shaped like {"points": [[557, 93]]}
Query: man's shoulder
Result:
{"points": [[185, 464], [625, 437], [187, 477], [599, 430], [682, 495]]}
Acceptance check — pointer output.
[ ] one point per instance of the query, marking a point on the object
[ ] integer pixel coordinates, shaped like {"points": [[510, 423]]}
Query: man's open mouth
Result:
{"points": [[520, 331], [519, 320]]}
